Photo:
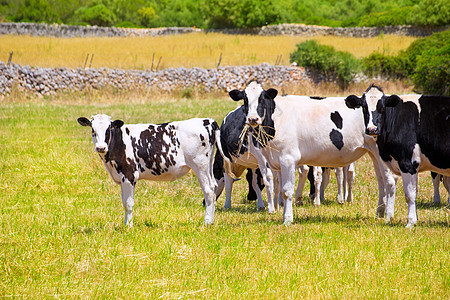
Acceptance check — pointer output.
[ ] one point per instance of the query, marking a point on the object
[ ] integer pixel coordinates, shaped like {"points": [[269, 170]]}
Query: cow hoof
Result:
{"points": [[208, 222], [410, 225], [341, 202], [261, 208], [287, 223], [226, 207]]}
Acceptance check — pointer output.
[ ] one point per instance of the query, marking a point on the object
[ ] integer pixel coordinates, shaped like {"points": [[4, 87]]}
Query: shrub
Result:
{"points": [[432, 72], [98, 15], [326, 60], [395, 67], [430, 57], [396, 16]]}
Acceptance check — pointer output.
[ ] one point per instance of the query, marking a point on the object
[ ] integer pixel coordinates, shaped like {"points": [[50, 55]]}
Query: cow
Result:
{"points": [[163, 152], [236, 151], [413, 135], [289, 131]]}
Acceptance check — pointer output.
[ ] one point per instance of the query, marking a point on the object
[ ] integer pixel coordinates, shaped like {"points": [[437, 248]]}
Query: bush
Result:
{"points": [[432, 72], [326, 60], [396, 16], [98, 15], [395, 67]]}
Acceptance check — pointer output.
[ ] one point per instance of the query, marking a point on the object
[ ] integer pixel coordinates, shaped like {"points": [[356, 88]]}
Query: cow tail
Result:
{"points": [[226, 161]]}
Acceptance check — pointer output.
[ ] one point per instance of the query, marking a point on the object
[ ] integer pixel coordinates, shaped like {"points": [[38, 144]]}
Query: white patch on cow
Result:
{"points": [[100, 124], [372, 97], [417, 153], [412, 98], [253, 91]]}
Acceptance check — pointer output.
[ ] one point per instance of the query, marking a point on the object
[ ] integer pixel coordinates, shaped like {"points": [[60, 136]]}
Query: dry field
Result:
{"points": [[188, 50]]}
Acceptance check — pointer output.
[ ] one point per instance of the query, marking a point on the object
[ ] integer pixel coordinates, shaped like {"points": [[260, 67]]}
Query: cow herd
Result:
{"points": [[275, 137]]}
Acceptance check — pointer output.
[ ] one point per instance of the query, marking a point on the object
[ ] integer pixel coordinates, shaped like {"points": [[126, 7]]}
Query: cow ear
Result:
{"points": [[392, 101], [117, 124], [272, 93], [236, 95], [353, 101], [84, 121]]}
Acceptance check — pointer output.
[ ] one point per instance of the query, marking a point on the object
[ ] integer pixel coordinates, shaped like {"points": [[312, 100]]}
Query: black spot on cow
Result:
{"points": [[317, 98], [337, 119], [116, 154], [152, 147], [127, 131], [202, 138], [337, 139]]}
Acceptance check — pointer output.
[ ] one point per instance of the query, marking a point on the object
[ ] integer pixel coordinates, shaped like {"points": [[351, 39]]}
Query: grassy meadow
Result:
{"points": [[188, 50], [62, 233]]}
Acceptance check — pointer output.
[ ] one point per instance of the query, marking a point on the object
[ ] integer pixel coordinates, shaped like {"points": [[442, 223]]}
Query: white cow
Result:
{"points": [[295, 130], [163, 152]]}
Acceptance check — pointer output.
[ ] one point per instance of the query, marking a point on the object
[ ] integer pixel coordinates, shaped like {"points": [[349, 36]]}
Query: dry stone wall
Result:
{"points": [[46, 81], [282, 29]]}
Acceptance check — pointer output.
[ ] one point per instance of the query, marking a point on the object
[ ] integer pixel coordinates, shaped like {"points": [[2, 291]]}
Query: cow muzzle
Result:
{"points": [[373, 131], [253, 121], [100, 149]]}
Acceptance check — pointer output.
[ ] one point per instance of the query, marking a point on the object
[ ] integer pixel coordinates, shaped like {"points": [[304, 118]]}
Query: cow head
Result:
{"points": [[368, 102], [258, 103], [101, 126]]}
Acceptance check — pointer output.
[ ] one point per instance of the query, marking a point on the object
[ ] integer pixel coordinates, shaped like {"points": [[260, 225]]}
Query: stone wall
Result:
{"points": [[46, 81], [282, 29]]}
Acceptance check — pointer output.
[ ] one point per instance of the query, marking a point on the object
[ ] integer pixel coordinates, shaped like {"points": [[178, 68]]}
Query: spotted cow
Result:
{"points": [[162, 152], [289, 131], [413, 135]]}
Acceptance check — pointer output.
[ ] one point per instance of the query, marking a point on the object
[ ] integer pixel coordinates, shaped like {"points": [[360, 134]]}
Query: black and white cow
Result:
{"points": [[163, 152], [289, 131], [413, 135], [235, 150]]}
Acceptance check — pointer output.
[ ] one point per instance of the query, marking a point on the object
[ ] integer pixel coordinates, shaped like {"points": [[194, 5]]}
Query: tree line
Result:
{"points": [[219, 14]]}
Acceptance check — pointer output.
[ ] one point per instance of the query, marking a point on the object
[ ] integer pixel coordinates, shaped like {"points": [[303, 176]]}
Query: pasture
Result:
{"points": [[201, 50], [62, 232]]}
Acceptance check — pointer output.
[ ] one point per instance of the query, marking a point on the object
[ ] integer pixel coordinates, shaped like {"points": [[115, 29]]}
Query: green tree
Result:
{"points": [[35, 11], [97, 14], [432, 12]]}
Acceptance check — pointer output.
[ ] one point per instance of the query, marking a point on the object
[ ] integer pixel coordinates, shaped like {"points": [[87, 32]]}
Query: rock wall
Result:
{"points": [[282, 29], [46, 81]]}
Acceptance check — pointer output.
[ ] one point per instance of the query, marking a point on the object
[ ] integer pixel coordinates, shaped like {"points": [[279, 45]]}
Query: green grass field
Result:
{"points": [[62, 233]]}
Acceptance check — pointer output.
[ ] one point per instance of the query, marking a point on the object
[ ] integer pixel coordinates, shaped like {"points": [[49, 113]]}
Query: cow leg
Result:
{"points": [[386, 188], [127, 191], [228, 189], [287, 191], [349, 178], [260, 204], [340, 184], [208, 185], [436, 181], [447, 187], [410, 189], [312, 188], [302, 176], [317, 184], [266, 173], [326, 176], [277, 200]]}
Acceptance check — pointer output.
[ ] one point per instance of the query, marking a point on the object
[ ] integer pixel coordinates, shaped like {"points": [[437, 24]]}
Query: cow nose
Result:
{"points": [[372, 131], [100, 149], [253, 121]]}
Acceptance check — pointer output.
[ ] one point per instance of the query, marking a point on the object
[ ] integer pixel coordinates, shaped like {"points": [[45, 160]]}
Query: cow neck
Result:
{"points": [[114, 134]]}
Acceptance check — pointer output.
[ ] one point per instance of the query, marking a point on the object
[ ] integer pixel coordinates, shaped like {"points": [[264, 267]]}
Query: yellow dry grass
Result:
{"points": [[188, 50]]}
